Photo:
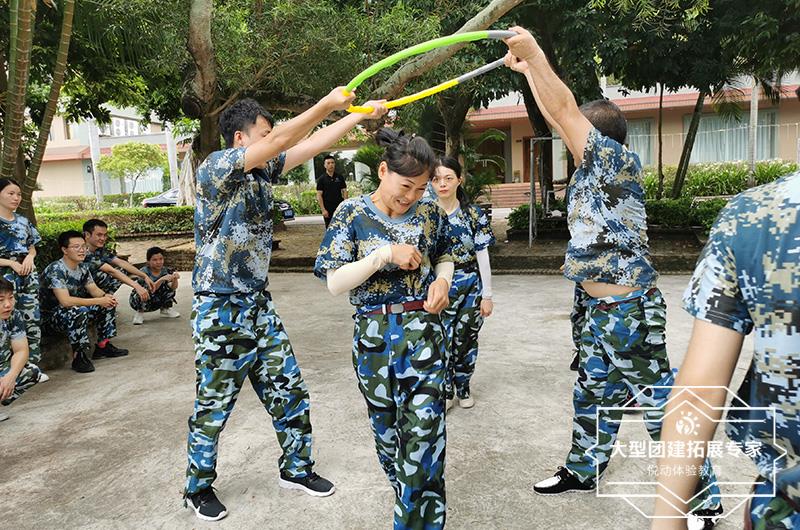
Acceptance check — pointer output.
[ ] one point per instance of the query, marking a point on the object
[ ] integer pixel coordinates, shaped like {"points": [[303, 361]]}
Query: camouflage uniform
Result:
{"points": [[11, 330], [16, 238], [97, 259], [577, 316], [237, 333], [399, 359], [623, 345], [74, 321], [163, 298], [748, 277], [462, 319]]}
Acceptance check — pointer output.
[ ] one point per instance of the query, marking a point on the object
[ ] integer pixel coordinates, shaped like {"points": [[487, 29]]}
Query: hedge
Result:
{"points": [[82, 203], [672, 213], [722, 178], [131, 221]]}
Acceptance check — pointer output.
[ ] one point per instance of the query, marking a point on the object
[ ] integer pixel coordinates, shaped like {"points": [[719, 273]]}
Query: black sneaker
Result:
{"points": [[561, 482], [703, 519], [576, 358], [81, 363], [109, 351], [206, 505], [312, 484]]}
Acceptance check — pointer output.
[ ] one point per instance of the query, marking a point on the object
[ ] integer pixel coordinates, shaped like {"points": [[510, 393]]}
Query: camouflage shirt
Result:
{"points": [[11, 329], [98, 258], [748, 277], [233, 224], [606, 217], [358, 228], [17, 236], [58, 275], [472, 232]]}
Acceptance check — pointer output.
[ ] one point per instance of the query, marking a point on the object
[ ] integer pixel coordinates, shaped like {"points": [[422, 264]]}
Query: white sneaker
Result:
{"points": [[449, 404], [138, 318], [466, 403], [169, 313], [3, 416], [43, 377]]}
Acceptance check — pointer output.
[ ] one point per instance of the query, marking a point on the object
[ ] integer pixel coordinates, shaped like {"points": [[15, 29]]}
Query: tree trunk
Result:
{"points": [[454, 106], [688, 144], [22, 20], [540, 130], [660, 190], [424, 63], [187, 186], [753, 134], [200, 94], [29, 183]]}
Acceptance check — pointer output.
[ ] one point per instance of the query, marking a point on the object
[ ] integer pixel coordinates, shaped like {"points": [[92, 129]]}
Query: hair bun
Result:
{"points": [[386, 136]]}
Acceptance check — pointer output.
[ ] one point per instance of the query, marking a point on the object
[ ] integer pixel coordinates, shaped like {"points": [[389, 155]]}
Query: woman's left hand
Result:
{"points": [[487, 307]]}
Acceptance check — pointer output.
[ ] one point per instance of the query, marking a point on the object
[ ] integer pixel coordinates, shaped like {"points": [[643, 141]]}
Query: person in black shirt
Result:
{"points": [[331, 190]]}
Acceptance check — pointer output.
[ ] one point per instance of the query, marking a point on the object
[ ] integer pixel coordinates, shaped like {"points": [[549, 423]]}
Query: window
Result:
{"points": [[721, 140], [119, 126], [640, 140], [132, 127]]}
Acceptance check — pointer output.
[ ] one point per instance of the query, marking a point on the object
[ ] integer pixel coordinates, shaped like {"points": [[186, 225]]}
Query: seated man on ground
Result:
{"points": [[71, 299], [165, 284], [16, 374], [109, 271]]}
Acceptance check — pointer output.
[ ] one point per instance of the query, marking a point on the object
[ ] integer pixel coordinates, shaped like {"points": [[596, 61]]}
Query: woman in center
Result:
{"points": [[393, 254]]}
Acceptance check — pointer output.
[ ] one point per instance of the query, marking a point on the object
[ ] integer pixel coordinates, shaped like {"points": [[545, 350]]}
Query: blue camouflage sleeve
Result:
{"points": [[33, 236], [221, 173], [275, 167], [16, 326], [604, 159], [714, 294], [54, 278], [86, 275], [338, 247], [484, 237]]}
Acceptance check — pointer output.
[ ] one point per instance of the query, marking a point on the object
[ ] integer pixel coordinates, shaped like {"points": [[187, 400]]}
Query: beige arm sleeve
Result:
{"points": [[354, 274], [445, 269]]}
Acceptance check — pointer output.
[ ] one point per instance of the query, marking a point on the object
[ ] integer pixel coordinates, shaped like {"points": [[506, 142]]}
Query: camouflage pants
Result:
{"points": [[462, 321], [238, 337], [771, 513], [26, 291], [399, 363], [163, 298], [74, 321], [623, 350], [578, 315], [28, 377], [106, 282]]}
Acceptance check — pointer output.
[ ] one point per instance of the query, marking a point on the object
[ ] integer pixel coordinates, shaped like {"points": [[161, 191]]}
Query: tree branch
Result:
{"points": [[425, 63]]}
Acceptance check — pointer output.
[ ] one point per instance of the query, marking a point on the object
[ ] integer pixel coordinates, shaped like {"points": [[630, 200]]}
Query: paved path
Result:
{"points": [[107, 450]]}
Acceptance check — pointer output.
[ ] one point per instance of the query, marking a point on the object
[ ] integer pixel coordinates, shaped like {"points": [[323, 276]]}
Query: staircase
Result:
{"points": [[511, 195]]}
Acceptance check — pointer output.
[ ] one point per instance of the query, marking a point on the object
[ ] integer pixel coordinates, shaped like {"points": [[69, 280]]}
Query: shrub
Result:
{"points": [[130, 221], [87, 202], [705, 213], [722, 178], [672, 213]]}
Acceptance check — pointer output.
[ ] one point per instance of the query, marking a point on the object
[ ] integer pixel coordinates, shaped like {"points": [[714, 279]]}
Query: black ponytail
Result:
{"points": [[408, 156], [452, 163]]}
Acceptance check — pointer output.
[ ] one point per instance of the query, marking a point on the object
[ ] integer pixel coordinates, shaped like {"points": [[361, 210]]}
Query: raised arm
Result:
{"points": [[552, 96], [327, 136], [287, 134]]}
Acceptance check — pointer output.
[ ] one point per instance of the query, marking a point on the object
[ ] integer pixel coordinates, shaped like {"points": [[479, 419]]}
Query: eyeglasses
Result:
{"points": [[448, 179], [78, 247]]}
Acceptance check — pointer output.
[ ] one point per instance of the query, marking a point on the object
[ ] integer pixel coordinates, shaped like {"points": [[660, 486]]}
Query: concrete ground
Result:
{"points": [[107, 450]]}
